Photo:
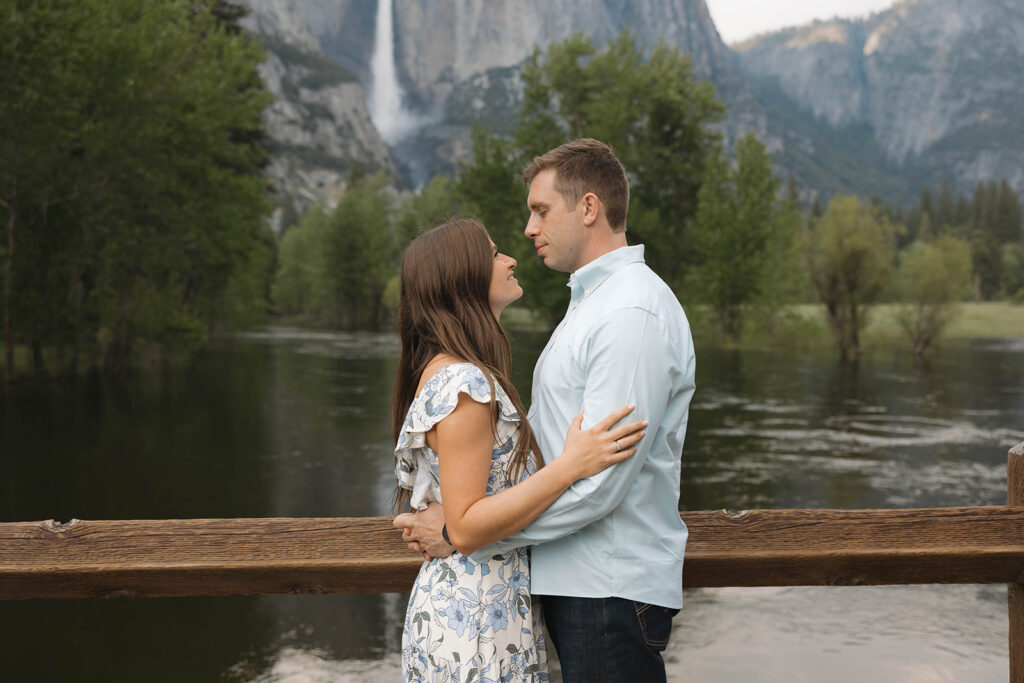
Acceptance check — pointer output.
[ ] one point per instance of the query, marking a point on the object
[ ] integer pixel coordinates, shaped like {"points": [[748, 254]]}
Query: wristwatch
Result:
{"points": [[444, 534]]}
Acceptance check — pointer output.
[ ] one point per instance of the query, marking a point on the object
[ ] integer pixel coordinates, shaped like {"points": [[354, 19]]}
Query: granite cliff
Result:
{"points": [[934, 86], [458, 61], [925, 90], [319, 125]]}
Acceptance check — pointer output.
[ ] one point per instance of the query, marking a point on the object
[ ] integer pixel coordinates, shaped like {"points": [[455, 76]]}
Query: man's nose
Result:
{"points": [[530, 230]]}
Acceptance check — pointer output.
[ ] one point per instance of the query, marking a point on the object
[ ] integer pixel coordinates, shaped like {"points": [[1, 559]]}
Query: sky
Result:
{"points": [[740, 19]]}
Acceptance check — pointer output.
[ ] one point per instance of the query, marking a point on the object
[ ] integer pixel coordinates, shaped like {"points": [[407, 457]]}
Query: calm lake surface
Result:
{"points": [[290, 422]]}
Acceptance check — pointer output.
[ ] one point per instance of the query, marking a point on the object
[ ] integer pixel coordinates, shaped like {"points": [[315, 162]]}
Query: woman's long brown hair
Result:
{"points": [[444, 308]]}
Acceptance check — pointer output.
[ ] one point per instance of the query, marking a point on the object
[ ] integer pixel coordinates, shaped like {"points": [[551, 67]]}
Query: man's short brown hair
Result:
{"points": [[582, 166]]}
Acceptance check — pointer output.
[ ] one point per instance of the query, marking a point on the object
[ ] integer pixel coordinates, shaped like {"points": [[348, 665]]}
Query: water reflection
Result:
{"points": [[904, 634], [289, 422]]}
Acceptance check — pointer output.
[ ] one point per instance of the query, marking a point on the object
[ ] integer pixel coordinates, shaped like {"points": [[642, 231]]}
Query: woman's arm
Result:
{"points": [[464, 441]]}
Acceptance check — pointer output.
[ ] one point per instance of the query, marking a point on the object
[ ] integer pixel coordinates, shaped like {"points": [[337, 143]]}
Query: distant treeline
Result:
{"points": [[131, 174], [725, 236], [990, 220], [131, 178]]}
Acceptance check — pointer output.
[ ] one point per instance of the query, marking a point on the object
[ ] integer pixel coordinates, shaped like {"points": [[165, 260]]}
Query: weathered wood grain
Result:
{"points": [[365, 555], [1015, 591]]}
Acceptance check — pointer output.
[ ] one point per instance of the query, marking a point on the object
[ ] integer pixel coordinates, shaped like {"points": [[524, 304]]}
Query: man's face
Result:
{"points": [[556, 230]]}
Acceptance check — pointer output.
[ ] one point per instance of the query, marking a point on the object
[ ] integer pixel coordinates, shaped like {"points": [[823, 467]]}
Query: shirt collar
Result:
{"points": [[589, 277]]}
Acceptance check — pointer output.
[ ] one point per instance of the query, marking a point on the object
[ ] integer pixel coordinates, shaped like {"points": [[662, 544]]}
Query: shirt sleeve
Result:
{"points": [[628, 360]]}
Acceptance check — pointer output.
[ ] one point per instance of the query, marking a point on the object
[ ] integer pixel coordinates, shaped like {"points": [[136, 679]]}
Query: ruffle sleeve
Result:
{"points": [[415, 462]]}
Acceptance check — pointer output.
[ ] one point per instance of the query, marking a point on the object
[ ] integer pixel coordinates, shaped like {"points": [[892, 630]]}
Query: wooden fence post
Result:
{"points": [[1015, 594]]}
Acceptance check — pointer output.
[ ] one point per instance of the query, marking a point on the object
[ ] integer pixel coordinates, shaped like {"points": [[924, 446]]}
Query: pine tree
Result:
{"points": [[945, 211], [742, 231]]}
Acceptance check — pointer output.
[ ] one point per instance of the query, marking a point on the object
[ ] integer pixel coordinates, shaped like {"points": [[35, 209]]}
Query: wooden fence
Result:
{"points": [[150, 558]]}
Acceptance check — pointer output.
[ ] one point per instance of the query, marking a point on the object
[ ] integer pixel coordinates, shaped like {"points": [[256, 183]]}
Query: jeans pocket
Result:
{"points": [[655, 623]]}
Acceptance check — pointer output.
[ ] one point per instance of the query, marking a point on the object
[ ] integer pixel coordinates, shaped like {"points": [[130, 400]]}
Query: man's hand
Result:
{"points": [[422, 531]]}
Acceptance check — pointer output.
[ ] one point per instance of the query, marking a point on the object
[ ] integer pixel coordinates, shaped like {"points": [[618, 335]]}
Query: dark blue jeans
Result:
{"points": [[607, 640]]}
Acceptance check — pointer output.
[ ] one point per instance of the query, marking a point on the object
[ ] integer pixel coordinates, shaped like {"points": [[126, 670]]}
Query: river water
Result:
{"points": [[290, 422]]}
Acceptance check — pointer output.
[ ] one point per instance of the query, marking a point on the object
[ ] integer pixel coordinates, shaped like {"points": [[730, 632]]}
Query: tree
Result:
{"points": [[133, 181], [1006, 219], [986, 264], [927, 217], [1013, 271], [357, 254], [300, 280], [492, 190], [932, 277], [38, 54], [945, 207], [653, 112], [742, 224], [432, 205], [849, 254]]}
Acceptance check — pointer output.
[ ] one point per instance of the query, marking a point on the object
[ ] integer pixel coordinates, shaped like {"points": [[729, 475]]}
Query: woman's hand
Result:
{"points": [[588, 451]]}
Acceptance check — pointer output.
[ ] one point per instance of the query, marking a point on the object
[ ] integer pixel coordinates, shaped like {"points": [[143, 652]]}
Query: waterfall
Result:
{"points": [[387, 107]]}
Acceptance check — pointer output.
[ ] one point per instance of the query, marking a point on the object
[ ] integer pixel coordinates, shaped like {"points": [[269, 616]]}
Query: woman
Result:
{"points": [[461, 439]]}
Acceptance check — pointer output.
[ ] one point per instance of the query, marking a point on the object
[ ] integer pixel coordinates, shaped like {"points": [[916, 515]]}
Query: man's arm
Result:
{"points": [[474, 518], [629, 360]]}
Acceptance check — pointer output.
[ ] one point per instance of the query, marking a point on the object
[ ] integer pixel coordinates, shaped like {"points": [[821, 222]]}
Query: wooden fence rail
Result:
{"points": [[150, 558], [84, 559]]}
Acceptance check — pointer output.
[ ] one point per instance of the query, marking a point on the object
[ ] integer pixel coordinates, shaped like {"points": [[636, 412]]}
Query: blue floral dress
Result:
{"points": [[466, 621]]}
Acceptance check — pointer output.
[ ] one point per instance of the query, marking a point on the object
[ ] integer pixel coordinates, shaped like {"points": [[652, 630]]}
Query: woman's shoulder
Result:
{"points": [[453, 378], [445, 377], [444, 369], [438, 396]]}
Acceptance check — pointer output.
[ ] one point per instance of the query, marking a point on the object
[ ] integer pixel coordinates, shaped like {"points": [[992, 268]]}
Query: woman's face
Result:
{"points": [[504, 287]]}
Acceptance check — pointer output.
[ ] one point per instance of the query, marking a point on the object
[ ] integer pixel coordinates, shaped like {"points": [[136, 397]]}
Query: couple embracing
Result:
{"points": [[562, 526]]}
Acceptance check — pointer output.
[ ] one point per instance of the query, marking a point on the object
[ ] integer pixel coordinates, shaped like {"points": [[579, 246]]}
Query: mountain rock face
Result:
{"points": [[443, 43], [459, 59], [935, 84], [927, 90], [318, 125]]}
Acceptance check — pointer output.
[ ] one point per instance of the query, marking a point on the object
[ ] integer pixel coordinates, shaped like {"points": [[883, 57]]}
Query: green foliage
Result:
{"points": [[1013, 270], [945, 208], [491, 189], [990, 220], [742, 235], [358, 254], [132, 181], [932, 277], [652, 111], [994, 220], [299, 288], [849, 254], [338, 267], [432, 205], [987, 265]]}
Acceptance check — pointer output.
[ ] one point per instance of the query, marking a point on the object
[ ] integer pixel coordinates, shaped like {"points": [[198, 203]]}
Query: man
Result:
{"points": [[607, 556]]}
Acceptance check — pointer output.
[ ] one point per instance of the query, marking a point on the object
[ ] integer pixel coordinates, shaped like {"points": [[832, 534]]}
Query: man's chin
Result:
{"points": [[546, 260]]}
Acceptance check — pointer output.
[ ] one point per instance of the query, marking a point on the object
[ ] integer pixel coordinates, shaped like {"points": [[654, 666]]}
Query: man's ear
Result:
{"points": [[591, 208]]}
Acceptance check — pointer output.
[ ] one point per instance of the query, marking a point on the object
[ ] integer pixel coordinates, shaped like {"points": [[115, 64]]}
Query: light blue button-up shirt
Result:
{"points": [[624, 339]]}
